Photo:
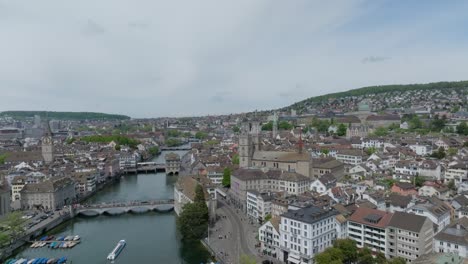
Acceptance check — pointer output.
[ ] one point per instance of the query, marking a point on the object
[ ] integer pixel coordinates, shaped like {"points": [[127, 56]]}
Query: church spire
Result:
{"points": [[300, 143]]}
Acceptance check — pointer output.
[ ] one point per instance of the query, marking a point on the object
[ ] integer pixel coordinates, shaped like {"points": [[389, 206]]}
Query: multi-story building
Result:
{"points": [[327, 165], [305, 233], [434, 209], [409, 236], [85, 182], [243, 180], [457, 172], [269, 237], [172, 163], [258, 205], [368, 228], [350, 156], [454, 238], [49, 195], [128, 160]]}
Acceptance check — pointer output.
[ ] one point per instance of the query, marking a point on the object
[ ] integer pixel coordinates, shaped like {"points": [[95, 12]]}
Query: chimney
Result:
{"points": [[300, 144]]}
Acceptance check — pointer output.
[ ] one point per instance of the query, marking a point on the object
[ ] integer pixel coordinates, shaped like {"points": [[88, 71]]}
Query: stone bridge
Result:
{"points": [[117, 208]]}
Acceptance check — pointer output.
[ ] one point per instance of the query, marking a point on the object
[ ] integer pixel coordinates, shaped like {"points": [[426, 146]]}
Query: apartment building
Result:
{"points": [[368, 228], [269, 237], [306, 232], [409, 236], [258, 205], [453, 239]]}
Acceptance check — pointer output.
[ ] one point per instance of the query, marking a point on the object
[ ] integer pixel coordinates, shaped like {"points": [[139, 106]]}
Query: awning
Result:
{"points": [[294, 259]]}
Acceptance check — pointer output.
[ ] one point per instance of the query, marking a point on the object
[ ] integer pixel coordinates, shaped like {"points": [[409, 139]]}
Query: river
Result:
{"points": [[151, 237]]}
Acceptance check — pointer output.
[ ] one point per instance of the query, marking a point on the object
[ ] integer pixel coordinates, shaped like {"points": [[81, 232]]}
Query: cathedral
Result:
{"points": [[251, 155]]}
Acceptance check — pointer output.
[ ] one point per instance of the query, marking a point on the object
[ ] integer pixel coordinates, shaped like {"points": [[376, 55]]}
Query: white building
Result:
{"points": [[421, 150], [306, 232], [453, 239], [269, 237], [368, 228], [438, 213], [258, 205]]}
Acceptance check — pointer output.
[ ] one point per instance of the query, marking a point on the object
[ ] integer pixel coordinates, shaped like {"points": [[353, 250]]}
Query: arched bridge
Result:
{"points": [[117, 208]]}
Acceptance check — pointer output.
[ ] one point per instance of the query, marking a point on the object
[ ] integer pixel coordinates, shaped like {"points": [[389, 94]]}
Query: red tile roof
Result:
{"points": [[360, 215]]}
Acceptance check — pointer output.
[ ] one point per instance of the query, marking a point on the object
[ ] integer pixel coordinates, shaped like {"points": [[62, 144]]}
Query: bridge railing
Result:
{"points": [[123, 204]]}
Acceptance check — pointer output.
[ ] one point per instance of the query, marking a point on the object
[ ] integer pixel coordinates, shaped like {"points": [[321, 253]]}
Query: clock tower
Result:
{"points": [[47, 145]]}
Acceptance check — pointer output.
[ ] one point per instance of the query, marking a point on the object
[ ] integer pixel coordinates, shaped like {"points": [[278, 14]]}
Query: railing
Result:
{"points": [[124, 204]]}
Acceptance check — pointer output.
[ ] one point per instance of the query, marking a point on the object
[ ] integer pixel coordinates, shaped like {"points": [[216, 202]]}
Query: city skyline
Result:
{"points": [[217, 58]]}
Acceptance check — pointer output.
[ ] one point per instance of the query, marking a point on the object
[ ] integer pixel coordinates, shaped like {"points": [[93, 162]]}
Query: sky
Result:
{"points": [[152, 58]]}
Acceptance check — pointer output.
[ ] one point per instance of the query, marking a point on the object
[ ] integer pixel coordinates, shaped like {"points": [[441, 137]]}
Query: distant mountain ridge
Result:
{"points": [[384, 90], [64, 115]]}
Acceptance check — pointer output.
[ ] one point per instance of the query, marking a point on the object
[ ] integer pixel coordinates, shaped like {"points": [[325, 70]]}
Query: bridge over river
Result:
{"points": [[117, 208]]}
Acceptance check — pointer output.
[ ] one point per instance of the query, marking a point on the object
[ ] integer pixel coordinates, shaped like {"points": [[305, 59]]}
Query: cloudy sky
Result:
{"points": [[180, 58]]}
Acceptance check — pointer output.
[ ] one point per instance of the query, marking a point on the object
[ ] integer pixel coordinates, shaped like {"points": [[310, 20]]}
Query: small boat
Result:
{"points": [[62, 260], [51, 245], [51, 261], [76, 238], [60, 238], [118, 248], [31, 261], [61, 244], [68, 238]]}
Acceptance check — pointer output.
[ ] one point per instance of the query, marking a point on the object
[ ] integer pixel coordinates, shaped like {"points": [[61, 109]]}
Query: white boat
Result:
{"points": [[76, 238], [118, 248]]}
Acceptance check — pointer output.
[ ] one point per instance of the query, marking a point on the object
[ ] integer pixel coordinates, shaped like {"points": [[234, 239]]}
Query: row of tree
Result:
{"points": [[346, 251], [12, 228], [283, 125], [118, 139]]}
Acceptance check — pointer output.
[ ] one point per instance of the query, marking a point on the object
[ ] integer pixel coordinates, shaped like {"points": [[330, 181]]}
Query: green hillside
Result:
{"points": [[64, 115], [385, 89]]}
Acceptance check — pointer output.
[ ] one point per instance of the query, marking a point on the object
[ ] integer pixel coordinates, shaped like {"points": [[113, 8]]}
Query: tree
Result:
{"points": [[201, 135], [415, 122], [462, 128], [452, 151], [349, 249], [268, 126], [193, 221], [325, 151], [154, 150], [14, 222], [465, 144], [173, 142], [117, 147], [235, 159], [4, 239], [341, 130], [398, 260], [284, 125], [451, 184], [330, 255], [381, 131], [419, 181], [246, 259], [2, 159], [267, 217], [437, 124], [199, 194], [236, 129], [226, 177], [439, 154], [365, 256], [371, 150]]}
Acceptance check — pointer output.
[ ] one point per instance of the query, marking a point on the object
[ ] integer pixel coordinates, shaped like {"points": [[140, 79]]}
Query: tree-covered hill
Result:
{"points": [[383, 89], [64, 115]]}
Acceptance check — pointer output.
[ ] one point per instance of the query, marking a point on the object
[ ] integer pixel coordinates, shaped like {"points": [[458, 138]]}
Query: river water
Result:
{"points": [[151, 237]]}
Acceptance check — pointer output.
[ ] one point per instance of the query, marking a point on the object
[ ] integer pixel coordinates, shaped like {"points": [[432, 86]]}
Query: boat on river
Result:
{"points": [[118, 248]]}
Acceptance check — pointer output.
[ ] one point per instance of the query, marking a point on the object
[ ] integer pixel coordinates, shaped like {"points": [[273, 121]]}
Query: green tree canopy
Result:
{"points": [[330, 255], [236, 129], [193, 221], [439, 154], [462, 128], [120, 140], [14, 222], [268, 126], [173, 142], [349, 249], [199, 194], [226, 177], [154, 150], [201, 135], [235, 159], [285, 125], [341, 130]]}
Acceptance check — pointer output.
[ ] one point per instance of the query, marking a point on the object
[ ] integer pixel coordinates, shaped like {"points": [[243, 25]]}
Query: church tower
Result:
{"points": [[47, 145], [249, 142]]}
